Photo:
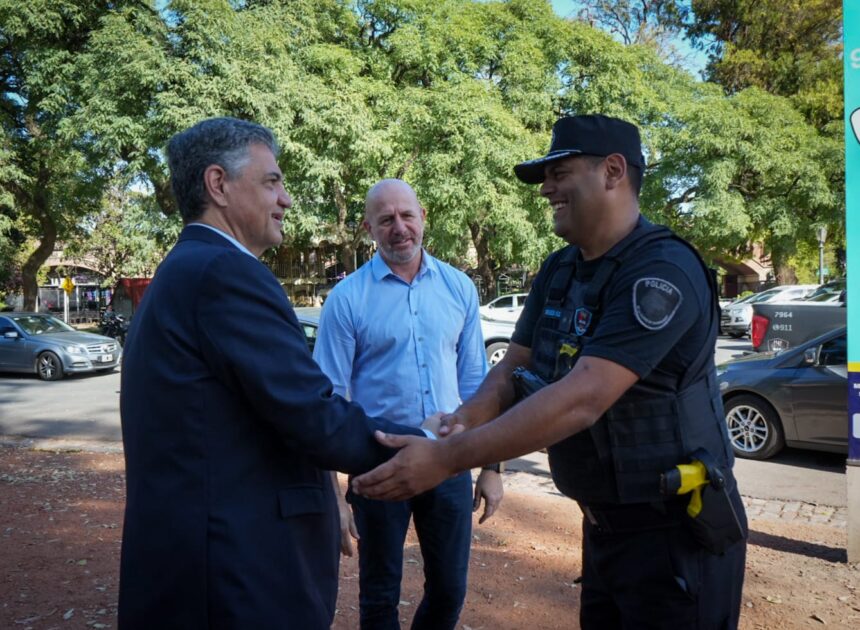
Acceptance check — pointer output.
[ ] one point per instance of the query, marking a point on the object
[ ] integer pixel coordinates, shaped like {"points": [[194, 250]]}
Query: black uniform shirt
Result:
{"points": [[656, 311]]}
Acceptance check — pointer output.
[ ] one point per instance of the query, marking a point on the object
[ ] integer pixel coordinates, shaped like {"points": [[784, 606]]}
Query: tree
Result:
{"points": [[788, 47], [128, 237], [727, 172], [470, 78], [750, 166], [447, 94], [47, 178], [652, 23]]}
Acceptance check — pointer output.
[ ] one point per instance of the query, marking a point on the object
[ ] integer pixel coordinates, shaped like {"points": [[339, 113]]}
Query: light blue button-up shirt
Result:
{"points": [[403, 351]]}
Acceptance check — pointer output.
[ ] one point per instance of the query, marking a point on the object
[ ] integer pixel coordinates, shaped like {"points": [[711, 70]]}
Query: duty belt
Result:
{"points": [[637, 517]]}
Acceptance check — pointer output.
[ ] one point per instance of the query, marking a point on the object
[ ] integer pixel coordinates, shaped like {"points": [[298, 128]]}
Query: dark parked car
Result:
{"points": [[40, 343], [797, 398], [497, 335]]}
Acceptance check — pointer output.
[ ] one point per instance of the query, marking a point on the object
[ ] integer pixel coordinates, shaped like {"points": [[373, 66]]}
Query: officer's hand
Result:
{"points": [[489, 487], [420, 465]]}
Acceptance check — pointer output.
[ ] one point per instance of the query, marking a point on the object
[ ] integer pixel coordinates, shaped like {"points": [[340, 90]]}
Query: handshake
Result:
{"points": [[420, 463], [442, 424]]}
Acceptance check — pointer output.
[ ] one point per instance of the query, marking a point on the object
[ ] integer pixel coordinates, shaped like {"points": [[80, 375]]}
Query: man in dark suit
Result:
{"points": [[228, 424]]}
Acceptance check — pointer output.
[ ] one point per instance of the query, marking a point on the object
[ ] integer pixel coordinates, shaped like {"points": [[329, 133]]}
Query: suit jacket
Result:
{"points": [[228, 427]]}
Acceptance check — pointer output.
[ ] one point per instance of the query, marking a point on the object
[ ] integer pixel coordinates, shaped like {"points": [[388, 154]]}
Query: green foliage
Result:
{"points": [[448, 94], [653, 23], [47, 177], [128, 237], [792, 48]]}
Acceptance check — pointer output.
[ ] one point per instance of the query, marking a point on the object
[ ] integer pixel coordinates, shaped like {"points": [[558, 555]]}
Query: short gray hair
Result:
{"points": [[221, 141]]}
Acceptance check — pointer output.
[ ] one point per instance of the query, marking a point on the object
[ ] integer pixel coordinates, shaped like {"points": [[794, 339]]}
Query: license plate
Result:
{"points": [[105, 358]]}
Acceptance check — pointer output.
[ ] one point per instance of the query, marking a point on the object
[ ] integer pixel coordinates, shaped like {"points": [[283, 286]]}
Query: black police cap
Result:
{"points": [[585, 135]]}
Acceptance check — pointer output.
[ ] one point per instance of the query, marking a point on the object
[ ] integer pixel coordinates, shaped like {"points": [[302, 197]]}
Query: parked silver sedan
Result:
{"points": [[40, 343]]}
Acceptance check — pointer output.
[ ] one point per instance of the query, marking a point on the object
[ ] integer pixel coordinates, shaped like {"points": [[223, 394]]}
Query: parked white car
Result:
{"points": [[497, 336], [736, 319], [505, 308]]}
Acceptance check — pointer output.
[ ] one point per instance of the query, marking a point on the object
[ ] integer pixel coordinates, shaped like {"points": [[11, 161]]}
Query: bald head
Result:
{"points": [[386, 188], [395, 220]]}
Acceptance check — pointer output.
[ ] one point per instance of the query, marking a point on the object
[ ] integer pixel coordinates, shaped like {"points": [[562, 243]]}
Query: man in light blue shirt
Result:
{"points": [[402, 337]]}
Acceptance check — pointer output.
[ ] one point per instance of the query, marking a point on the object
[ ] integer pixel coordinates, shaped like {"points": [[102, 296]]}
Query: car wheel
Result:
{"points": [[495, 351], [755, 430], [49, 367], [736, 335]]}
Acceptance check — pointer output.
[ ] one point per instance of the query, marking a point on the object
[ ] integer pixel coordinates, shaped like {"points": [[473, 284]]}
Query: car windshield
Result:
{"points": [[764, 295], [821, 297], [743, 300], [836, 286], [41, 324]]}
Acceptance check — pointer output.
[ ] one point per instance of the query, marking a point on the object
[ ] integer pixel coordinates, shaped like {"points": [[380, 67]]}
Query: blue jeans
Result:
{"points": [[443, 522]]}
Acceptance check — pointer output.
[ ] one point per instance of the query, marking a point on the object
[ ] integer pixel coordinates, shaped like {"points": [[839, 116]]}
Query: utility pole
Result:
{"points": [[822, 236]]}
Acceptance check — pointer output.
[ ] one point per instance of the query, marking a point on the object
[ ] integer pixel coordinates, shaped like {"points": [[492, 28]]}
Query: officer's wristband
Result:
{"points": [[500, 467]]}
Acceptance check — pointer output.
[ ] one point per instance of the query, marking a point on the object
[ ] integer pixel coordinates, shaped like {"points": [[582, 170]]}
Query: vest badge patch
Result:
{"points": [[552, 312], [655, 302], [581, 320]]}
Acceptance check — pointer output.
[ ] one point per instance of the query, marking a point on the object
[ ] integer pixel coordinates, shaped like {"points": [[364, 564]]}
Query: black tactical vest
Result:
{"points": [[621, 457]]}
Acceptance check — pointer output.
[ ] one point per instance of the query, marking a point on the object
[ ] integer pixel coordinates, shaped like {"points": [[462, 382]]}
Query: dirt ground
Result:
{"points": [[61, 522]]}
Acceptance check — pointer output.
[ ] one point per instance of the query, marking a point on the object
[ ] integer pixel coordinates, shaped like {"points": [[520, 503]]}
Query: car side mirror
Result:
{"points": [[810, 356], [10, 334]]}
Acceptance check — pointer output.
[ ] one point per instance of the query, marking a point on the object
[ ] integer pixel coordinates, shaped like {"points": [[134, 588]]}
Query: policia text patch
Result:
{"points": [[655, 302]]}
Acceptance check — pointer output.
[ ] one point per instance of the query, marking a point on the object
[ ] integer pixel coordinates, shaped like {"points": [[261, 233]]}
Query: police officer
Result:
{"points": [[621, 325]]}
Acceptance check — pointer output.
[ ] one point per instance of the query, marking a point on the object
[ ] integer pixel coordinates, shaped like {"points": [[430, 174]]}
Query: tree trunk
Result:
{"points": [[785, 274], [347, 256], [345, 244], [485, 263], [30, 270]]}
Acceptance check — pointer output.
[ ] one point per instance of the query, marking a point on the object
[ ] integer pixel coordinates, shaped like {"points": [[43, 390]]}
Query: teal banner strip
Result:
{"points": [[851, 29]]}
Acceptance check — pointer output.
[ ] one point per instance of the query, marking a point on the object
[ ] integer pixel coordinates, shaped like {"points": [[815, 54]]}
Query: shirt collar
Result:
{"points": [[381, 269], [227, 236]]}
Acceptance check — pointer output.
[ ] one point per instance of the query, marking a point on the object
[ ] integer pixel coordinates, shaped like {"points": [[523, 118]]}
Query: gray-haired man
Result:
{"points": [[228, 424]]}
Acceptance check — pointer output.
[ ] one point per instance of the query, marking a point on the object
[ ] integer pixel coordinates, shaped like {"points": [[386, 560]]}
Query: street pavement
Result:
{"points": [[85, 408], [82, 407]]}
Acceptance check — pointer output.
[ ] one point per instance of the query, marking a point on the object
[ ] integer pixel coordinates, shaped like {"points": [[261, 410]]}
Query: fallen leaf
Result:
{"points": [[68, 614], [817, 618], [773, 600]]}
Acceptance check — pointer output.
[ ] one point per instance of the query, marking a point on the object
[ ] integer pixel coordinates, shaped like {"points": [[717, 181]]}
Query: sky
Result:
{"points": [[695, 59]]}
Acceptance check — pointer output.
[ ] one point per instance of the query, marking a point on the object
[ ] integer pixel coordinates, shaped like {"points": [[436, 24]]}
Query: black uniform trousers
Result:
{"points": [[659, 578]]}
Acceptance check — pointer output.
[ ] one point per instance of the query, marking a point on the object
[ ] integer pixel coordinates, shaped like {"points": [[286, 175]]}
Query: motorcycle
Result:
{"points": [[114, 325]]}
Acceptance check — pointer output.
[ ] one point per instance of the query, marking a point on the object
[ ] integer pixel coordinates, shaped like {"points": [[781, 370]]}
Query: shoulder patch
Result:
{"points": [[655, 302]]}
